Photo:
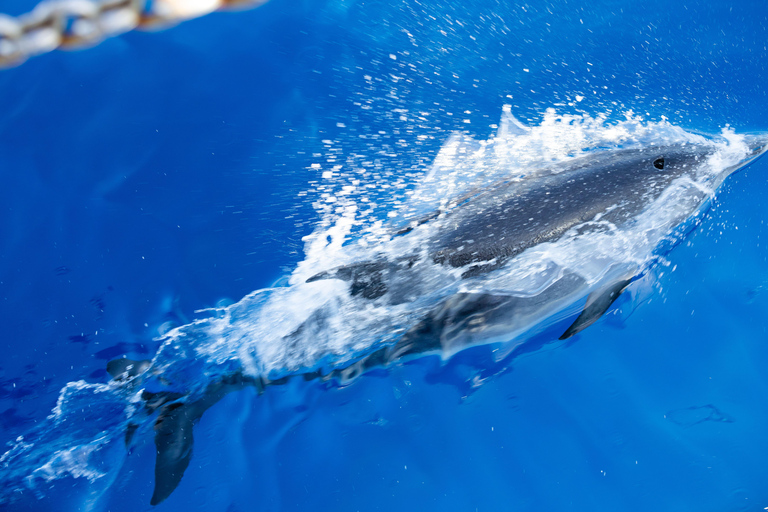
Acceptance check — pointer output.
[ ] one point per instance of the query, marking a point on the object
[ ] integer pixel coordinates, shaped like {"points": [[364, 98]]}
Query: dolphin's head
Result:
{"points": [[675, 160]]}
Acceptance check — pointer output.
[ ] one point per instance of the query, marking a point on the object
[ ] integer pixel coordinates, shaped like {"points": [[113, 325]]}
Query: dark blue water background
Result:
{"points": [[159, 173]]}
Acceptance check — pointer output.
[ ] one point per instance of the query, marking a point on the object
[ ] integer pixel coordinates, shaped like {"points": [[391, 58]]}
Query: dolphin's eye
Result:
{"points": [[659, 163]]}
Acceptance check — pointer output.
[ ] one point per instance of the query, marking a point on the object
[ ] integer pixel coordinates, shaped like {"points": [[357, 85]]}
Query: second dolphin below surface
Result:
{"points": [[479, 271]]}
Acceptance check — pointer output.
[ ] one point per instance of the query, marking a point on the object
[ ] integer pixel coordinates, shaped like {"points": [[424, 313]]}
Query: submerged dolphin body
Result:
{"points": [[477, 235]]}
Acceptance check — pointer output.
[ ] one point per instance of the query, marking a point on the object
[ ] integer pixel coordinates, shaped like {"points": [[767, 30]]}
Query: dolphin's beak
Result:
{"points": [[758, 144]]}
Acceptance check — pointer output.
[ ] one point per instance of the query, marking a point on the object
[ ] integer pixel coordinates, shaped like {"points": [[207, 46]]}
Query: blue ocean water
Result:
{"points": [[159, 174]]}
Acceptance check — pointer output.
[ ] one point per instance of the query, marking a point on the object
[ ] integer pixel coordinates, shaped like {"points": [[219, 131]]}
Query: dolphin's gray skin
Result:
{"points": [[486, 230], [505, 221], [478, 235]]}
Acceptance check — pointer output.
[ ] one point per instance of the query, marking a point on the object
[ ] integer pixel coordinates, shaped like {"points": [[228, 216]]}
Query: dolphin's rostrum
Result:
{"points": [[478, 234]]}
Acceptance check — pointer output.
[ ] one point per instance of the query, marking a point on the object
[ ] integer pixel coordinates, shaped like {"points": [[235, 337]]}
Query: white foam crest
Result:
{"points": [[278, 330], [731, 151], [74, 462], [325, 245], [72, 441], [70, 390]]}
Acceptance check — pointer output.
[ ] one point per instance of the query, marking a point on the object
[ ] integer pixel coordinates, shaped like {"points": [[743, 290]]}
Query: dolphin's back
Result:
{"points": [[504, 221]]}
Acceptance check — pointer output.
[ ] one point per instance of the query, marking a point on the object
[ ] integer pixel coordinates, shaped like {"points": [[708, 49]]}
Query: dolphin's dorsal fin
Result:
{"points": [[597, 304], [367, 277], [125, 368]]}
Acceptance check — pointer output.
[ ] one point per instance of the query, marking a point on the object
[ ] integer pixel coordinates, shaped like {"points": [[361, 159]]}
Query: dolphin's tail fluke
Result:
{"points": [[173, 440], [173, 433], [175, 420]]}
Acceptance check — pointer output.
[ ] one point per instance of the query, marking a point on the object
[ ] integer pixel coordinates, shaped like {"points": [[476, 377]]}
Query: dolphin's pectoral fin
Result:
{"points": [[597, 304], [173, 441]]}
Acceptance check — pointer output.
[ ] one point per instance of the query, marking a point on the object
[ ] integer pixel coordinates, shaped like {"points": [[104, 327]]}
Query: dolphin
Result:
{"points": [[482, 232], [475, 235]]}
